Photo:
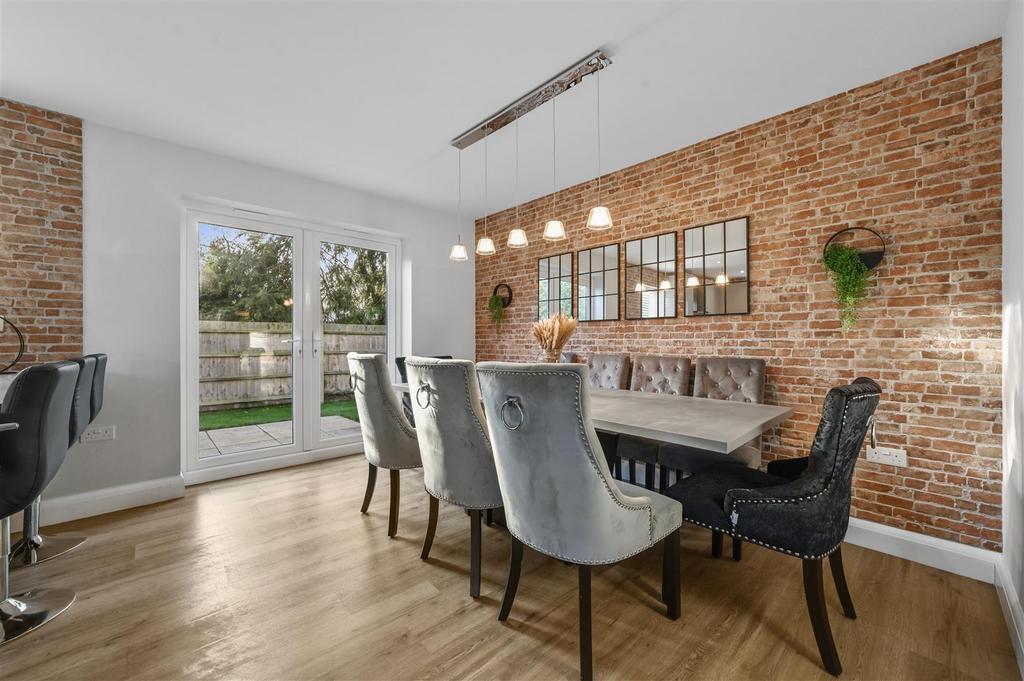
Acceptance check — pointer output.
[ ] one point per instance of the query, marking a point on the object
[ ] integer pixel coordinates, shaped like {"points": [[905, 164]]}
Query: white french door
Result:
{"points": [[271, 310]]}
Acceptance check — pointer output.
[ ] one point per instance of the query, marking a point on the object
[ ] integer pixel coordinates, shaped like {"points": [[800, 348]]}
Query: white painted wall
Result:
{"points": [[134, 189], [1011, 571]]}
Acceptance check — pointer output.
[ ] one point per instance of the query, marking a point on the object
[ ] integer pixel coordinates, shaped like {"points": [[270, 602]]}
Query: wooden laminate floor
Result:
{"points": [[278, 576]]}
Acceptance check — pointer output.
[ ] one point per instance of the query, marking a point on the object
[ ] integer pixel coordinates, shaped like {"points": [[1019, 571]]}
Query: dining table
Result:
{"points": [[719, 426]]}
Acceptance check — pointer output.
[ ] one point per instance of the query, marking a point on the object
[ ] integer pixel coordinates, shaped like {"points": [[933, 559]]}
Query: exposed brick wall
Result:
{"points": [[915, 156], [40, 231]]}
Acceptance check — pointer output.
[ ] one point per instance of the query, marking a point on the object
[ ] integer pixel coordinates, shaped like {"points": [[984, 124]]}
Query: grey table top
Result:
{"points": [[714, 425]]}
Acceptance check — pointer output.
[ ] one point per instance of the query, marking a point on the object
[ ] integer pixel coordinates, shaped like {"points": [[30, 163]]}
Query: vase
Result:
{"points": [[551, 356]]}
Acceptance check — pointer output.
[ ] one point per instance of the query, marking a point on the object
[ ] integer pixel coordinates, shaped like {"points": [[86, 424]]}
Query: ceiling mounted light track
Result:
{"points": [[570, 77]]}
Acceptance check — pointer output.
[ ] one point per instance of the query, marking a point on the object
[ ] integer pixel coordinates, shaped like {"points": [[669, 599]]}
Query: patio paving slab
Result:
{"points": [[244, 438]]}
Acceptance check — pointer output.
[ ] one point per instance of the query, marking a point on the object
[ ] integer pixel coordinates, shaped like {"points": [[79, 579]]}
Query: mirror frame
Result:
{"points": [[625, 275], [618, 274], [572, 284], [745, 249]]}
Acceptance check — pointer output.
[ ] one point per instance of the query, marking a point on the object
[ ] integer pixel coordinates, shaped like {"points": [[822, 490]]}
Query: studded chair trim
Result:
{"points": [[458, 464], [813, 510], [389, 441], [660, 374], [557, 525]]}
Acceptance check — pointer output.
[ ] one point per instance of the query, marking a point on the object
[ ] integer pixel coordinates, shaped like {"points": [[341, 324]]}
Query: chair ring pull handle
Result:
{"points": [[514, 402], [423, 387], [874, 439]]}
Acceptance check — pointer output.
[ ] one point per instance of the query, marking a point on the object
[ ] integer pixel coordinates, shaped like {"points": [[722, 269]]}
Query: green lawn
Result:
{"points": [[229, 418]]}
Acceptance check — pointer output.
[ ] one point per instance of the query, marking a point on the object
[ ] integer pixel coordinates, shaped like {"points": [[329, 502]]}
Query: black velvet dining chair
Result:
{"points": [[800, 507]]}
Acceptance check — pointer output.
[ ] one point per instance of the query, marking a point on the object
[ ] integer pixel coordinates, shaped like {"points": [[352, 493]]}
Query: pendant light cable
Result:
{"points": [[599, 137]]}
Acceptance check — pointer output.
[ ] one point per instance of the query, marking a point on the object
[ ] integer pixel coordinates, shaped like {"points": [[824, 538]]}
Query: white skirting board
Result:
{"points": [[1009, 599], [107, 500], [968, 561]]}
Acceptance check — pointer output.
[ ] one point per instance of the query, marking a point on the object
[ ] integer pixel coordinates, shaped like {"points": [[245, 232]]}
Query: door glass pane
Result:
{"points": [[353, 317], [246, 327]]}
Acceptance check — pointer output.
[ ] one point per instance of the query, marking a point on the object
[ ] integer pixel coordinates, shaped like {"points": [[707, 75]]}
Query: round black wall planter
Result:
{"points": [[504, 291], [870, 258], [4, 322]]}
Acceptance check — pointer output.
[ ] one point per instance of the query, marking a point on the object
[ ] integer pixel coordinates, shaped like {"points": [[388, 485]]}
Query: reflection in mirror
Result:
{"points": [[554, 285], [651, 279], [597, 297], [717, 269]]}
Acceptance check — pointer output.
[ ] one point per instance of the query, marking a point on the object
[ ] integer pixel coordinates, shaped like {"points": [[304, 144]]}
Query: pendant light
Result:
{"points": [[554, 230], [517, 237], [458, 252], [485, 245], [600, 217]]}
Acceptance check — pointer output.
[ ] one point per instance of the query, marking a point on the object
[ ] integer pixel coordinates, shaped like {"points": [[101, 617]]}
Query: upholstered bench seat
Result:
{"points": [[704, 494]]}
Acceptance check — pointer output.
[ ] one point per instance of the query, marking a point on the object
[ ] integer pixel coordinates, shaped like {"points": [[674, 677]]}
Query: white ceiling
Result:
{"points": [[368, 94]]}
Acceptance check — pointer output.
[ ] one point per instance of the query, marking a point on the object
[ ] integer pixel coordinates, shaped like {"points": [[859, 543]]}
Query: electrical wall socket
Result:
{"points": [[888, 456], [99, 433]]}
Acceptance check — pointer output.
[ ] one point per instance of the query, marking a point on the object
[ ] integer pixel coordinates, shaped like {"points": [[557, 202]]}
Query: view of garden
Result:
{"points": [[246, 316]]}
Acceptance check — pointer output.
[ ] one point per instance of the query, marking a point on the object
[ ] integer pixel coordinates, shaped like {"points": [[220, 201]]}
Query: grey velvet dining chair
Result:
{"points": [[664, 375], [738, 379], [557, 491], [609, 372], [458, 466], [389, 441]]}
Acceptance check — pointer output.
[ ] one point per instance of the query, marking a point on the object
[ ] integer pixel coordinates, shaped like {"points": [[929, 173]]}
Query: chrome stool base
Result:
{"points": [[42, 548], [21, 613]]}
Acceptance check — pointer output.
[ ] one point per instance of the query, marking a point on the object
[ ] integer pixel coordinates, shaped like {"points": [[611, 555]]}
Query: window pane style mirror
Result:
{"points": [[716, 269], [651, 277], [598, 287], [554, 275]]}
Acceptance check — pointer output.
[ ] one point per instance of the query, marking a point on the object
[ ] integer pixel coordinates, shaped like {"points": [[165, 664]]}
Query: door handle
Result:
{"points": [[296, 345]]}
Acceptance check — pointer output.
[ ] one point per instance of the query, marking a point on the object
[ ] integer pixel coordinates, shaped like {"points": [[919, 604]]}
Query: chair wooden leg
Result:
{"points": [[662, 479], [474, 553], [835, 561], [515, 566], [395, 495], [670, 588], [371, 482], [632, 472], [489, 517], [716, 544], [649, 476], [737, 548], [814, 592], [617, 469], [428, 540], [586, 650]]}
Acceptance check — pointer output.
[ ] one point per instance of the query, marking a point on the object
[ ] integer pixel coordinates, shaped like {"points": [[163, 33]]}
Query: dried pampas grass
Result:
{"points": [[553, 333]]}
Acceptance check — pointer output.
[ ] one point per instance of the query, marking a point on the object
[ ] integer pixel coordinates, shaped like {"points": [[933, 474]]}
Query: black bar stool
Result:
{"points": [[35, 547], [39, 401]]}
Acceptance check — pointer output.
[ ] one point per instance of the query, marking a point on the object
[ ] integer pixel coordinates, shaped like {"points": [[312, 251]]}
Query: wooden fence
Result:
{"points": [[248, 364]]}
